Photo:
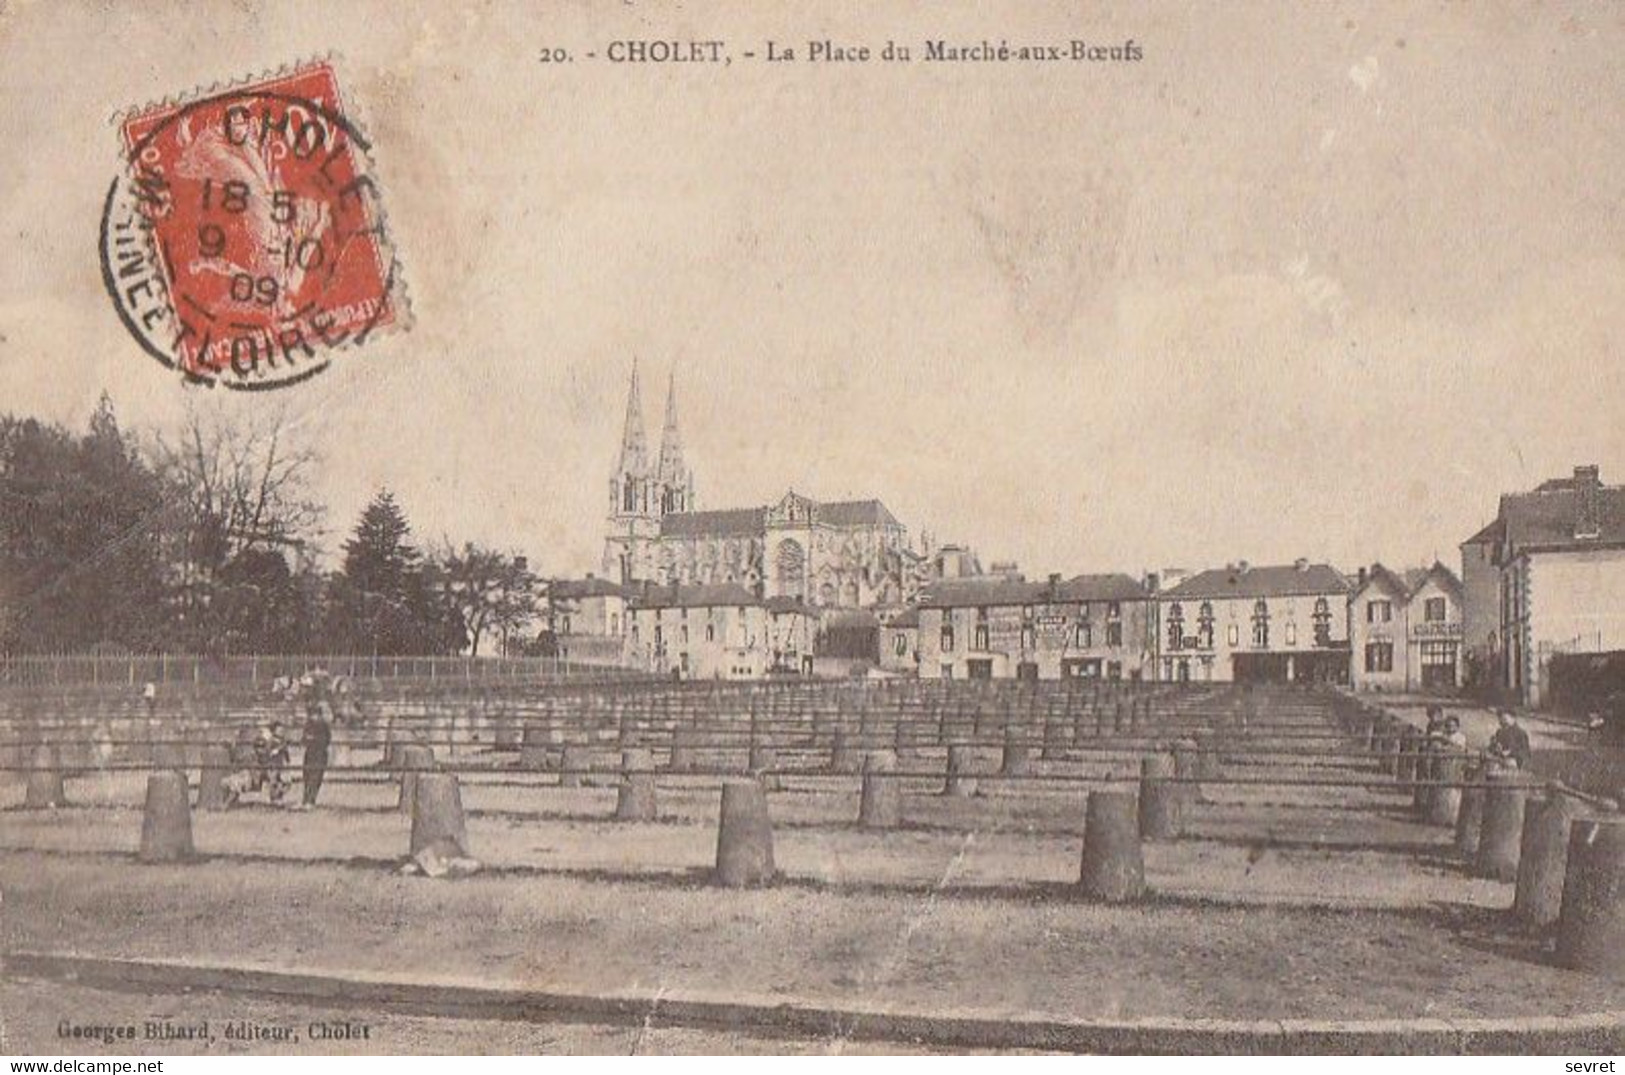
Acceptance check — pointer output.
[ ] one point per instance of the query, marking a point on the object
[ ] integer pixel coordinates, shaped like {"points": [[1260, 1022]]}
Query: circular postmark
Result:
{"points": [[243, 244]]}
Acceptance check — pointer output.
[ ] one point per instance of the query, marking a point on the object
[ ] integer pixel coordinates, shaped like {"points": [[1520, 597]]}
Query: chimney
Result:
{"points": [[1301, 564], [1588, 502], [1362, 576], [1152, 582], [1242, 566], [1055, 578]]}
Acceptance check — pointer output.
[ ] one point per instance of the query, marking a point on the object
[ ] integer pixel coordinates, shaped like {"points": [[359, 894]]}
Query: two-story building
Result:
{"points": [[718, 631], [1405, 630], [585, 620], [1558, 553], [1285, 623], [1091, 626]]}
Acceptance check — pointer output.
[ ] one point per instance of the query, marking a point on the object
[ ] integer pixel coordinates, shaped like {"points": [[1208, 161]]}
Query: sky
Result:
{"points": [[1310, 280]]}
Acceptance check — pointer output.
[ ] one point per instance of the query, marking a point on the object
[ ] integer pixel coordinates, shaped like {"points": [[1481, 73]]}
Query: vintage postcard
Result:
{"points": [[641, 528]]}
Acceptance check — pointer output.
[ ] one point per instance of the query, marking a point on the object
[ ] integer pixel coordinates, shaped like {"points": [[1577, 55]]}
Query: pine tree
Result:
{"points": [[379, 558], [380, 601]]}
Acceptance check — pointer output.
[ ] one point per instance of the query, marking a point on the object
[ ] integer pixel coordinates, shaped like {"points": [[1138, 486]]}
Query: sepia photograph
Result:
{"points": [[643, 528]]}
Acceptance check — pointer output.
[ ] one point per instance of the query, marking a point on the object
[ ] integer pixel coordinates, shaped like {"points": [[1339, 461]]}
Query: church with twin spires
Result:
{"points": [[830, 554]]}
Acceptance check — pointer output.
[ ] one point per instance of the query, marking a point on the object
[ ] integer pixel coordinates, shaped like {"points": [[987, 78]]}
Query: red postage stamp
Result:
{"points": [[245, 243]]}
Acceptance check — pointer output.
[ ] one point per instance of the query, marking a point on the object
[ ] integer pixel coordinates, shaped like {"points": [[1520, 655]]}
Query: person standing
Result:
{"points": [[317, 737]]}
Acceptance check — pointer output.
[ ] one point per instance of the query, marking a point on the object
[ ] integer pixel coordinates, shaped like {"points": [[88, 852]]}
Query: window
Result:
{"points": [[1323, 622], [614, 623], [685, 634], [1233, 635], [1176, 626], [1379, 611], [1291, 633], [1433, 610], [1379, 656], [1114, 610], [710, 632], [1438, 653], [1081, 635], [1261, 624], [1204, 625], [566, 625], [1114, 669], [1114, 633], [1028, 639], [947, 638], [900, 645], [947, 671], [981, 636]]}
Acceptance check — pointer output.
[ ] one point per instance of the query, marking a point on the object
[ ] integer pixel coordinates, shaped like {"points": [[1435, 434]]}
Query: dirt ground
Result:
{"points": [[1344, 846], [1282, 902]]}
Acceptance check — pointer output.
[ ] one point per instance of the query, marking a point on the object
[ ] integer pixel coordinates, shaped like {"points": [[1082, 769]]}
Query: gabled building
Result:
{"points": [[1406, 629], [1285, 623], [721, 631], [1090, 626], [1549, 574]]}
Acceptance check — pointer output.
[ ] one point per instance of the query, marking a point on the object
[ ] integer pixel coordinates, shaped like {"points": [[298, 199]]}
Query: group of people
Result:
{"points": [[261, 756], [1508, 747]]}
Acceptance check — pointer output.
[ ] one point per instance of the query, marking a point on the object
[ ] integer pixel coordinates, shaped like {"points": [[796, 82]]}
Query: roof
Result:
{"points": [[1446, 579], [909, 617], [1490, 535], [716, 595], [989, 591], [1544, 519], [1395, 584], [1283, 580], [569, 589], [845, 513], [789, 604], [1406, 585], [1102, 588], [736, 522], [746, 522], [851, 618]]}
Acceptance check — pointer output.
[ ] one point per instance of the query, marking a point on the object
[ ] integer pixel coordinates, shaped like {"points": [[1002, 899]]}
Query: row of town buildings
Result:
{"points": [[1301, 622], [775, 589]]}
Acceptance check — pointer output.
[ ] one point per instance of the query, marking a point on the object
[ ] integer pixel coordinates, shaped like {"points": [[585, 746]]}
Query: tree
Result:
{"points": [[382, 599], [486, 590], [241, 483], [81, 528]]}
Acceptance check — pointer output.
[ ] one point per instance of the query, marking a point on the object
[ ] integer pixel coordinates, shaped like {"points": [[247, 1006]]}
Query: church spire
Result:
{"points": [[634, 461], [672, 475]]}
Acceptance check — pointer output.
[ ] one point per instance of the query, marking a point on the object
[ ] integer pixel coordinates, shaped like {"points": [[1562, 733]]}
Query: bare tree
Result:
{"points": [[240, 489]]}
